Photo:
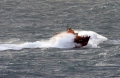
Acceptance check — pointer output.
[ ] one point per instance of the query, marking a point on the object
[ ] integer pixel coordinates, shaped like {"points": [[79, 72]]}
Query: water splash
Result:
{"points": [[62, 40]]}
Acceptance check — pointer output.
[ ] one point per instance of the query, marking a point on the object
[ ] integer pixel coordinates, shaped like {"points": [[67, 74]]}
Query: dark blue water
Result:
{"points": [[29, 21]]}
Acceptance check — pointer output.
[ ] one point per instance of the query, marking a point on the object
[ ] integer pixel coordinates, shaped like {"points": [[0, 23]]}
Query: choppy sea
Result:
{"points": [[27, 23]]}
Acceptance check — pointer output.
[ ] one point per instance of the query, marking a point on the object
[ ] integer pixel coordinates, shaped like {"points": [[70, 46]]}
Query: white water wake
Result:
{"points": [[62, 40]]}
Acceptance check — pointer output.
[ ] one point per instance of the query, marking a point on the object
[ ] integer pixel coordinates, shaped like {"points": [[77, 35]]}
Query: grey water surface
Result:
{"points": [[34, 20]]}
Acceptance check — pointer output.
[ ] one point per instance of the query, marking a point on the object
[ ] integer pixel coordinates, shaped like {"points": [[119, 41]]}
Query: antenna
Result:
{"points": [[67, 27]]}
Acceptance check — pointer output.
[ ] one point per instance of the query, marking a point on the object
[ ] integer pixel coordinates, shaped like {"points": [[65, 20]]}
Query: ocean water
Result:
{"points": [[24, 24]]}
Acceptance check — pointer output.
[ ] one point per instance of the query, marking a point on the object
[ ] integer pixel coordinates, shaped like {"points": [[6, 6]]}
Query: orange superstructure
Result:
{"points": [[79, 39], [70, 30]]}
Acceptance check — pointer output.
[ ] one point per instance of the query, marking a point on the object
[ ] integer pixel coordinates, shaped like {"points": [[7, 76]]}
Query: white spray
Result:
{"points": [[62, 40]]}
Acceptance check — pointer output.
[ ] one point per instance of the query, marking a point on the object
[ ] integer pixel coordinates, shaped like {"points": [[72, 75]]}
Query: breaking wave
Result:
{"points": [[62, 40]]}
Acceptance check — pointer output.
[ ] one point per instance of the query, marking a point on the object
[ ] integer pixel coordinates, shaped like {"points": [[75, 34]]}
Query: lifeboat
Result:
{"points": [[82, 40]]}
